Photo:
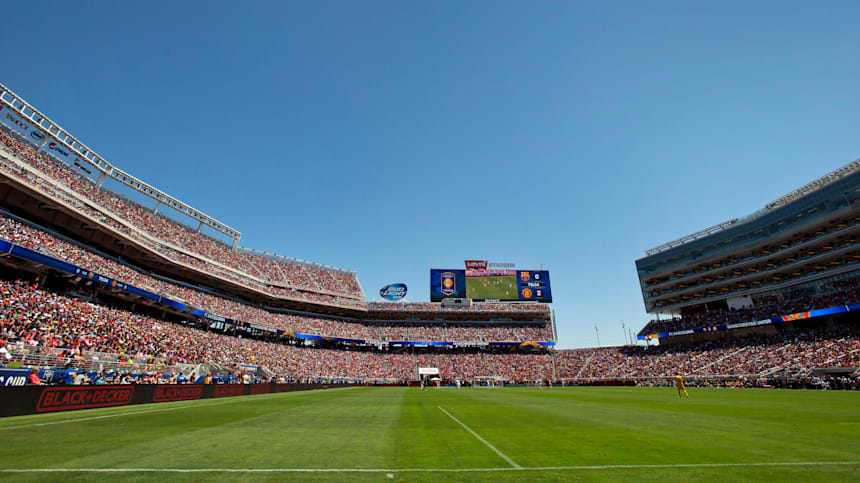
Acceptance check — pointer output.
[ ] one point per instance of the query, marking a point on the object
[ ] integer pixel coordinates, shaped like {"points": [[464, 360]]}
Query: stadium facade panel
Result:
{"points": [[808, 241]]}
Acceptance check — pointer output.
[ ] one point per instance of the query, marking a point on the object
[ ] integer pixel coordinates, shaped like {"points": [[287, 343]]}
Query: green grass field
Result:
{"points": [[502, 288], [408, 434]]}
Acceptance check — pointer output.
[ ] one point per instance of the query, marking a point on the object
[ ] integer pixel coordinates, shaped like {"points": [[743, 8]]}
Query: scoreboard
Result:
{"points": [[502, 285], [534, 285]]}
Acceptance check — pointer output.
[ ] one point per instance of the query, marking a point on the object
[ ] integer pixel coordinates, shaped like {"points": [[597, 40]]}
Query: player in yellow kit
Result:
{"points": [[679, 383]]}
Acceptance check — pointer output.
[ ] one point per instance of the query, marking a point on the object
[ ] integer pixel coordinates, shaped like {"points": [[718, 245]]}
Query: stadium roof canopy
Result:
{"points": [[85, 154], [782, 201]]}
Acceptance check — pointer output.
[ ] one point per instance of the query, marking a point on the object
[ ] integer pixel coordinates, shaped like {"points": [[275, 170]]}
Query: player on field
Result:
{"points": [[679, 384]]}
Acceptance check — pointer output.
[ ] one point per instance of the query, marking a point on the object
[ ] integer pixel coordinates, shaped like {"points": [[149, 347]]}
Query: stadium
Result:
{"points": [[288, 241], [101, 289]]}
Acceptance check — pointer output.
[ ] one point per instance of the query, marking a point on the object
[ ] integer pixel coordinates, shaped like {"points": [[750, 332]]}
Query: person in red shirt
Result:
{"points": [[33, 378]]}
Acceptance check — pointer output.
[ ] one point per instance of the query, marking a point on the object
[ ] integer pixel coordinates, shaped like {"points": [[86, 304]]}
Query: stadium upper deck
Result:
{"points": [[67, 166], [52, 183], [805, 240]]}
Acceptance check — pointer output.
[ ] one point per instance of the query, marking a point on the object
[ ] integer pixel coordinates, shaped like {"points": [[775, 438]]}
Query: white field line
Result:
{"points": [[120, 414], [503, 455], [419, 470], [232, 400]]}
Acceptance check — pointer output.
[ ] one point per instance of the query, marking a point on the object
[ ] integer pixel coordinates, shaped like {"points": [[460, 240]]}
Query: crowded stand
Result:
{"points": [[48, 244], [80, 324], [175, 240], [793, 352], [839, 293], [777, 255], [32, 317]]}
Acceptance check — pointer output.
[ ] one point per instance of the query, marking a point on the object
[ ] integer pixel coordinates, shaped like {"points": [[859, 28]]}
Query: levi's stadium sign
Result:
{"points": [[484, 265], [476, 264], [393, 292]]}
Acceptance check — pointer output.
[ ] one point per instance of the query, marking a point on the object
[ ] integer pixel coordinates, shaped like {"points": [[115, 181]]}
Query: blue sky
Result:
{"points": [[384, 137]]}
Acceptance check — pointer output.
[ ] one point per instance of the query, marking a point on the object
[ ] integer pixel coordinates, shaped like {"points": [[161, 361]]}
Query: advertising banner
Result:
{"points": [[42, 399], [775, 320], [32, 132], [393, 292], [19, 125], [14, 377]]}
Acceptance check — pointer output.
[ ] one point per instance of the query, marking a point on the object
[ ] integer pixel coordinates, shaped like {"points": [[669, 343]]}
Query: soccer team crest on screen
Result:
{"points": [[525, 276], [448, 283], [527, 293]]}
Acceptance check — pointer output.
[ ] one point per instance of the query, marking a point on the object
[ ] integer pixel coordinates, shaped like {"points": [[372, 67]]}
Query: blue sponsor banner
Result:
{"points": [[393, 292], [90, 275], [828, 311], [350, 341], [14, 377], [141, 292], [214, 317], [176, 305], [421, 343], [522, 344], [37, 257], [322, 337], [18, 377], [308, 336], [314, 337], [447, 284]]}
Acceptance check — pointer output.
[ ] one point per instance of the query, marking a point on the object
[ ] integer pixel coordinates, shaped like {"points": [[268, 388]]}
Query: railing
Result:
{"points": [[60, 192], [92, 361], [18, 105]]}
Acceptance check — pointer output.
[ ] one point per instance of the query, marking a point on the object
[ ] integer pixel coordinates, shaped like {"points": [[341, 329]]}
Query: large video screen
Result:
{"points": [[507, 285]]}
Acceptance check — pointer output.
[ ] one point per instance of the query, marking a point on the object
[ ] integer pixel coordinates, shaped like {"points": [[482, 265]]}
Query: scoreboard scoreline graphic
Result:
{"points": [[503, 285]]}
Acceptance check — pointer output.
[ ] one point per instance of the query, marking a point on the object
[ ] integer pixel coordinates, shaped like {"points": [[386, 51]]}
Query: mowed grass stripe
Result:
{"points": [[593, 426], [194, 405], [478, 436], [422, 470], [622, 431], [171, 439], [801, 471], [65, 417], [427, 438]]}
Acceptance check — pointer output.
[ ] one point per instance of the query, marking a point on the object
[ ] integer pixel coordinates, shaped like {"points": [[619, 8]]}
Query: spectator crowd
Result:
{"points": [[48, 244], [273, 273], [803, 300], [31, 318]]}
